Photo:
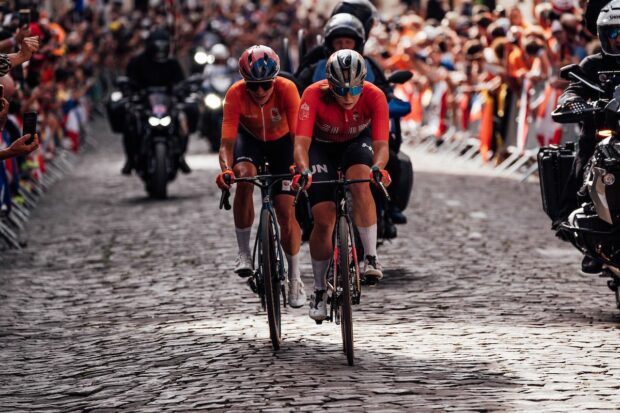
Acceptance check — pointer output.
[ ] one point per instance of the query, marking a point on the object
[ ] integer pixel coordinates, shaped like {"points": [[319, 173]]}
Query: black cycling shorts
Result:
{"points": [[326, 158], [278, 153]]}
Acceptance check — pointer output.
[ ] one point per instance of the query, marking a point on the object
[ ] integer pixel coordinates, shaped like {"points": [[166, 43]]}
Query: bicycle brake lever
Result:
{"points": [[225, 200], [385, 192]]}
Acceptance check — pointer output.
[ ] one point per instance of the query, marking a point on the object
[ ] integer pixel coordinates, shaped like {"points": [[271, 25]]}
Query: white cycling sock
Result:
{"points": [[368, 236], [293, 267], [243, 240], [319, 268]]}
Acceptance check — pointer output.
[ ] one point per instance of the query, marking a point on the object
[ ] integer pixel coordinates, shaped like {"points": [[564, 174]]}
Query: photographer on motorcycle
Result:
{"points": [[575, 97], [153, 67]]}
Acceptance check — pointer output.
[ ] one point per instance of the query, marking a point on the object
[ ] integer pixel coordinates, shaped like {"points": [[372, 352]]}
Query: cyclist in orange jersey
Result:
{"points": [[260, 117]]}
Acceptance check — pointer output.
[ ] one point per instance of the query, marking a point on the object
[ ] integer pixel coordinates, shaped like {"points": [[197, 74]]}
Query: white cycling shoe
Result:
{"points": [[372, 268], [243, 265], [318, 306], [296, 293]]}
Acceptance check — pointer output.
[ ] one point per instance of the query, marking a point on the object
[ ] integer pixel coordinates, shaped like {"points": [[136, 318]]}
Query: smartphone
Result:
{"points": [[24, 17], [30, 125]]}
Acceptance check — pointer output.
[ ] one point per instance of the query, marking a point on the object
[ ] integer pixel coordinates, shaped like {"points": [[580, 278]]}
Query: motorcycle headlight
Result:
{"points": [[116, 96], [213, 101], [165, 121], [221, 83], [201, 57], [153, 121]]}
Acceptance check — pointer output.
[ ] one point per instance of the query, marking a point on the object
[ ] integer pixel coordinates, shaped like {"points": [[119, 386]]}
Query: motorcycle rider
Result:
{"points": [[153, 67], [576, 97]]}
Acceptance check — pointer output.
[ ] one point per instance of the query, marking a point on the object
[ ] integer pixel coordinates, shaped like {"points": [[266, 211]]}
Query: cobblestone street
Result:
{"points": [[123, 303]]}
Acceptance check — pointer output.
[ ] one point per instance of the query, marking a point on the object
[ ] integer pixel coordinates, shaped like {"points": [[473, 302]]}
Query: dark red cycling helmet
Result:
{"points": [[259, 63]]}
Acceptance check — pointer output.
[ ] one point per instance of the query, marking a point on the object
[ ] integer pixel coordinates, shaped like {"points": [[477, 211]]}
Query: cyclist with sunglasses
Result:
{"points": [[575, 97], [260, 117], [343, 124]]}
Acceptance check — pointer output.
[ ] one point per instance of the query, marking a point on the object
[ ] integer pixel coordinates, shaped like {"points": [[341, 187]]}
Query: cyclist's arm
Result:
{"points": [[292, 107], [230, 125], [300, 152], [382, 153], [305, 125], [380, 128]]}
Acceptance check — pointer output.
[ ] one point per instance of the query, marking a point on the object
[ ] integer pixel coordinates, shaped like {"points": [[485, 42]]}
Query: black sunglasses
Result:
{"points": [[253, 86]]}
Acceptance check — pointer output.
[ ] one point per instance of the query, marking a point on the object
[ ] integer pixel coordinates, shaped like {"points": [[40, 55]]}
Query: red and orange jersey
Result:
{"points": [[270, 122], [329, 122]]}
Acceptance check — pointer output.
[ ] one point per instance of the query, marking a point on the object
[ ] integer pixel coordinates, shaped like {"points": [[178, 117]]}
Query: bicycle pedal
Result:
{"points": [[245, 273], [252, 285]]}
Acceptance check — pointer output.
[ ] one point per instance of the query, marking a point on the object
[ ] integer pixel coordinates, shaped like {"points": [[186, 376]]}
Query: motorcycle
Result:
{"points": [[594, 227], [200, 56], [217, 80], [157, 118]]}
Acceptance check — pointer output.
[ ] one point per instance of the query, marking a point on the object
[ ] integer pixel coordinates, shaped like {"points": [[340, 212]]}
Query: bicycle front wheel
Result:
{"points": [[344, 281], [271, 277]]}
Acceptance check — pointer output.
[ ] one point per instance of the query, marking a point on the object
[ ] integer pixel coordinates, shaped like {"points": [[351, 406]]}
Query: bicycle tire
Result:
{"points": [[271, 278], [346, 312]]}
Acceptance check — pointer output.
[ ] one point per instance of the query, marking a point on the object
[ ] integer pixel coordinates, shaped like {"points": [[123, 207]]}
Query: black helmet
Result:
{"points": [[344, 25], [364, 10], [608, 28], [158, 45]]}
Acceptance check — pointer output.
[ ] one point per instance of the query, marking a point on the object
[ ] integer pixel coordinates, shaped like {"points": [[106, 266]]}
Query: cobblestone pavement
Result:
{"points": [[122, 303]]}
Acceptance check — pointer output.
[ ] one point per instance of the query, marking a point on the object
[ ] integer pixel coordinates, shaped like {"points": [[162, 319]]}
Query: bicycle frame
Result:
{"points": [[266, 183]]}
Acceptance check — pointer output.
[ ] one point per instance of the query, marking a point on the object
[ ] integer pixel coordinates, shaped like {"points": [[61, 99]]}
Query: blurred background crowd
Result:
{"points": [[482, 68]]}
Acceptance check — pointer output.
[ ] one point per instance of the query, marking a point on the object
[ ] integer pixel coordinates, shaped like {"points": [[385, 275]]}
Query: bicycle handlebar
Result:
{"points": [[256, 180], [344, 182]]}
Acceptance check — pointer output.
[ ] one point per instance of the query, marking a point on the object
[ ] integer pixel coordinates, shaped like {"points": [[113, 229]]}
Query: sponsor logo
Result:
{"points": [[286, 185], [316, 169], [275, 115], [367, 146], [356, 116], [304, 111]]}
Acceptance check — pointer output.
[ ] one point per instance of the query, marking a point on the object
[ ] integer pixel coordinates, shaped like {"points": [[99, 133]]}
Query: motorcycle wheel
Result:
{"points": [[158, 187]]}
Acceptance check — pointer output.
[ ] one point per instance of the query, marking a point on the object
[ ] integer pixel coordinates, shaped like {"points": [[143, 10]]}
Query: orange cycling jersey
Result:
{"points": [[329, 122], [269, 122]]}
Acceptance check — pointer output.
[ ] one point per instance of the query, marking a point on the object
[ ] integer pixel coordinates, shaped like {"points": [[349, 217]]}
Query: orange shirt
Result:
{"points": [[332, 123], [270, 122]]}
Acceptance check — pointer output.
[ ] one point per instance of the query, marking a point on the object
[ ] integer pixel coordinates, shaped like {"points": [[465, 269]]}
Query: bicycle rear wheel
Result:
{"points": [[271, 278], [344, 281]]}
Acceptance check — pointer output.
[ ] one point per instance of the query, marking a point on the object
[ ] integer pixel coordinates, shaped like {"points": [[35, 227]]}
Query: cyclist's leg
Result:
{"points": [[324, 159], [246, 153], [321, 250], [357, 160], [280, 156]]}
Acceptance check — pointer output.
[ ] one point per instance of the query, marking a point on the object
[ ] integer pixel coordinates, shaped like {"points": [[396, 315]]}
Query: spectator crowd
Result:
{"points": [[479, 69]]}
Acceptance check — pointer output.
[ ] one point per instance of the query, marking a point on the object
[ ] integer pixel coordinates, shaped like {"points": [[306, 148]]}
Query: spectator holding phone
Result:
{"points": [[20, 147]]}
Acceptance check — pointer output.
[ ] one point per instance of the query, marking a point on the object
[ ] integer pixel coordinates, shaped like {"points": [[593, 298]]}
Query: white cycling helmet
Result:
{"points": [[608, 28], [346, 69], [220, 52]]}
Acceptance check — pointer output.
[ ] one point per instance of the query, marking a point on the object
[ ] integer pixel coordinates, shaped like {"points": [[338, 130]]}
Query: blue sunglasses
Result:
{"points": [[613, 33], [342, 91]]}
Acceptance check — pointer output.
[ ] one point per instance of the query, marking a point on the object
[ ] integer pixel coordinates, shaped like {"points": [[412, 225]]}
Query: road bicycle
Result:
{"points": [[343, 276], [269, 278]]}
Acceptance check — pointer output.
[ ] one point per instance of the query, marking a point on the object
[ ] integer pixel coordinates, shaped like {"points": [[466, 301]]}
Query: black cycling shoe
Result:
{"points": [[127, 168], [183, 166], [591, 265], [397, 216]]}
